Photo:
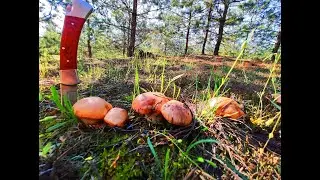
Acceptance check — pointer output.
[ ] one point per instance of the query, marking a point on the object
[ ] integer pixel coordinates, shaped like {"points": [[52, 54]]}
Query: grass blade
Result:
{"points": [[211, 163], [275, 105], [154, 153], [40, 97], [177, 77], [136, 89], [69, 108], [48, 118], [174, 90], [231, 166], [46, 149], [166, 164], [143, 89], [173, 79], [56, 99], [199, 142], [162, 78], [202, 160], [56, 126], [178, 94]]}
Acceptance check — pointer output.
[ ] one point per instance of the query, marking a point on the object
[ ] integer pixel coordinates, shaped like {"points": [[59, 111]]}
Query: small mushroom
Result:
{"points": [[177, 113], [116, 117], [150, 104], [226, 107], [91, 110]]}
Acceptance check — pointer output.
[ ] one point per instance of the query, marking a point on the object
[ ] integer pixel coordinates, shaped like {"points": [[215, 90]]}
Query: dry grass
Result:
{"points": [[238, 153]]}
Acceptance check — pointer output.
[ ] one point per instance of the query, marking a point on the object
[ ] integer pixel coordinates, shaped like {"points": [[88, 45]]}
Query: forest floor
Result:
{"points": [[69, 152]]}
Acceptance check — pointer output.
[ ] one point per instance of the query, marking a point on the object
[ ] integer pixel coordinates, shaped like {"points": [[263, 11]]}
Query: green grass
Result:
{"points": [[166, 165], [154, 153], [98, 157], [136, 90], [193, 145]]}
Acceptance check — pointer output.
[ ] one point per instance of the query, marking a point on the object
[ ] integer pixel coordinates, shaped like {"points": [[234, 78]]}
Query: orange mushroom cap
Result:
{"points": [[177, 113], [116, 117], [149, 102], [160, 101], [91, 110], [226, 107]]}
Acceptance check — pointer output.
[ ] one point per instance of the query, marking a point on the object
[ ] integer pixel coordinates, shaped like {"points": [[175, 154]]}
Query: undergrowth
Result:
{"points": [[215, 147]]}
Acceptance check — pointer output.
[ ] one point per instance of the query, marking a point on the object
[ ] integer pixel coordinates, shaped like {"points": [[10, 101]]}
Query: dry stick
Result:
{"points": [[46, 171], [241, 161], [229, 152], [225, 166], [188, 176], [201, 177], [63, 154], [199, 172], [235, 155], [138, 147], [234, 149]]}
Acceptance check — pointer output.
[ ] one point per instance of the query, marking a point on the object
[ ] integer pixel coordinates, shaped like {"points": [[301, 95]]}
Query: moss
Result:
{"points": [[118, 164]]}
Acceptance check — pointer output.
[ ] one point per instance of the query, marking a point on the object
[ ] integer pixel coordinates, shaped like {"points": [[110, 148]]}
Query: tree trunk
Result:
{"points": [[133, 28], [187, 36], [207, 30], [124, 42], [221, 26], [276, 45], [128, 32], [89, 40]]}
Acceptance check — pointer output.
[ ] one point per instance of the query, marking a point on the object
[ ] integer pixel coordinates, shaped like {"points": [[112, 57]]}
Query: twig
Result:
{"points": [[63, 154], [46, 171], [139, 147], [205, 174], [226, 167], [189, 175]]}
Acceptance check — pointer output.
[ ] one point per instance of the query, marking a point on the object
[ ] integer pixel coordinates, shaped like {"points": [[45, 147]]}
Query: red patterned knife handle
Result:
{"points": [[69, 42]]}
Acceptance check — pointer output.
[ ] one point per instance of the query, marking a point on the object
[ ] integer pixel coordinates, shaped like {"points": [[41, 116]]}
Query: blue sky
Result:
{"points": [[58, 20]]}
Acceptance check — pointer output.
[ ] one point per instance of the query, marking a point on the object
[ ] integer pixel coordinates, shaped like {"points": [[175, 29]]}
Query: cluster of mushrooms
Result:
{"points": [[96, 112]]}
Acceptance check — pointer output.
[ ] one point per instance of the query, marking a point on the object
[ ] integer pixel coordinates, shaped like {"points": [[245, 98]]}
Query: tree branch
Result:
{"points": [[153, 10]]}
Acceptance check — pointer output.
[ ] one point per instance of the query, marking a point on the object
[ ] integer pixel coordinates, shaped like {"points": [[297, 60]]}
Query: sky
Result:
{"points": [[58, 20]]}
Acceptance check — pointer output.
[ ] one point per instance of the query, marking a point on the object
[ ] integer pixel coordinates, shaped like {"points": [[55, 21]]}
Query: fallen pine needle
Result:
{"points": [[114, 163]]}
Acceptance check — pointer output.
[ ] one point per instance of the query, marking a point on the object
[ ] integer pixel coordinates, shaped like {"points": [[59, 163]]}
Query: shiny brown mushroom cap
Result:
{"points": [[149, 102], [177, 113], [226, 107]]}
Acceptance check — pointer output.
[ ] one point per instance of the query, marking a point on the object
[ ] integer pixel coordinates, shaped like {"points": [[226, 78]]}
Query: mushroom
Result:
{"points": [[226, 107], [177, 113], [91, 110], [150, 104], [116, 117]]}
